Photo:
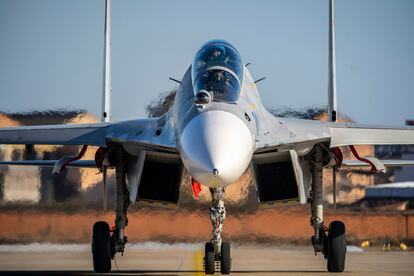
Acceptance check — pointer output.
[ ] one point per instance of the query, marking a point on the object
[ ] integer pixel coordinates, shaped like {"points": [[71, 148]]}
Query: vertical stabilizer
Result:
{"points": [[107, 87], [332, 105]]}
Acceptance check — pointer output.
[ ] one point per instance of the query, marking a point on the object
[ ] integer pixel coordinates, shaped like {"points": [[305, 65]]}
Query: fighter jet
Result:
{"points": [[216, 129]]}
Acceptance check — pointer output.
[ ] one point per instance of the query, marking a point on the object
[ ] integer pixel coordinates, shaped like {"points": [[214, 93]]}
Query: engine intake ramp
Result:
{"points": [[279, 178]]}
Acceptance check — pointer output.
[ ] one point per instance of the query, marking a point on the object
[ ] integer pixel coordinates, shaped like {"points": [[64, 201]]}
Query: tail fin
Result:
{"points": [[332, 114], [332, 105], [107, 87]]}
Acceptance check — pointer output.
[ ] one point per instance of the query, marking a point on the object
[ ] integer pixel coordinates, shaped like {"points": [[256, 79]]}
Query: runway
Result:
{"points": [[186, 259]]}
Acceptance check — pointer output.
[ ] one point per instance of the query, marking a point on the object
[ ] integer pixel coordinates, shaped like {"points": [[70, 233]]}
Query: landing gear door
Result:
{"points": [[299, 175]]}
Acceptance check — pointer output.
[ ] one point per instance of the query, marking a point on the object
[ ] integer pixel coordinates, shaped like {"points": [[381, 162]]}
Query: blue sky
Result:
{"points": [[51, 52]]}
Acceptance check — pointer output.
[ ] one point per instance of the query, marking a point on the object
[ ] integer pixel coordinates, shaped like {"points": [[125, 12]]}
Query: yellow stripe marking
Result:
{"points": [[198, 262]]}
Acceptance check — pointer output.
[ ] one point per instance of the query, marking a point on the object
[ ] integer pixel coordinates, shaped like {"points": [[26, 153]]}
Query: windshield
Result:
{"points": [[218, 69]]}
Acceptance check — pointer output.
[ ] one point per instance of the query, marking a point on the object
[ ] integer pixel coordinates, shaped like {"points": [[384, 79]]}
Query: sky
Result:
{"points": [[51, 52]]}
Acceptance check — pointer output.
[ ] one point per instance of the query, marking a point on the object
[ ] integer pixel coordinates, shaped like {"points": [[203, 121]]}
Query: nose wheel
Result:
{"points": [[225, 259], [217, 253], [209, 258], [211, 263]]}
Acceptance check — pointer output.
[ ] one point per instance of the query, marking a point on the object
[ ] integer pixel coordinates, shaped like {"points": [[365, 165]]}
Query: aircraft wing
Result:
{"points": [[51, 163], [152, 133], [81, 134], [387, 163], [287, 132], [356, 134]]}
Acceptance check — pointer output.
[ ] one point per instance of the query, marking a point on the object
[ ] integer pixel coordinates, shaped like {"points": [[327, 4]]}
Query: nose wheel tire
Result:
{"points": [[101, 247], [209, 265], [336, 247], [225, 259]]}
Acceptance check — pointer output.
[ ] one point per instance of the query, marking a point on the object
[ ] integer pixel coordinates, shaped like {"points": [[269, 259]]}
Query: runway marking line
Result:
{"points": [[198, 262]]}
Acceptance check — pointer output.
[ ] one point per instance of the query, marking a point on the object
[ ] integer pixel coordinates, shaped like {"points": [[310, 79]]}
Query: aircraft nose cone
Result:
{"points": [[216, 148]]}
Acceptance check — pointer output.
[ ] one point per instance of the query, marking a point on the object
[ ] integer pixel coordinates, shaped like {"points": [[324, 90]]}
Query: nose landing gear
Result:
{"points": [[217, 253]]}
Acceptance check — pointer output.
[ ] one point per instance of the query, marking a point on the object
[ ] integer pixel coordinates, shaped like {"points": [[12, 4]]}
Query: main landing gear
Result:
{"points": [[331, 242], [105, 245], [217, 253]]}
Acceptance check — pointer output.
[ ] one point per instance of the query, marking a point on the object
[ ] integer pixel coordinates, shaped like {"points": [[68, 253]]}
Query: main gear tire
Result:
{"points": [[336, 247], [101, 247]]}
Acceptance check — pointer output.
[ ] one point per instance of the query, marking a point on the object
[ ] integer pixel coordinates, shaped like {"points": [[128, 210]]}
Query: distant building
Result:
{"points": [[401, 190], [404, 152]]}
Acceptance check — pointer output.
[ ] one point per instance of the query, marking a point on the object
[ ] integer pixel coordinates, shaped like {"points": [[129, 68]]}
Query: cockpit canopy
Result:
{"points": [[218, 69]]}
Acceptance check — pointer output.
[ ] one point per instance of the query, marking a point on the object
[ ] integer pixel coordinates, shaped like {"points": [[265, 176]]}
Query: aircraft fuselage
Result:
{"points": [[217, 137]]}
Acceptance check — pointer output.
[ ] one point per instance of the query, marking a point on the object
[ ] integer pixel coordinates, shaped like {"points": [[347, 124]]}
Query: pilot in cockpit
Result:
{"points": [[218, 69]]}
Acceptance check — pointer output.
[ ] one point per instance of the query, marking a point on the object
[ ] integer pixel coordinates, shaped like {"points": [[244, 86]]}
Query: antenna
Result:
{"points": [[260, 79], [332, 105], [177, 81], [107, 87]]}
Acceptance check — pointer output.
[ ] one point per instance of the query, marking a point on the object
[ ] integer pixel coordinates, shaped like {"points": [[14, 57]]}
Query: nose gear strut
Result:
{"points": [[217, 252], [217, 216]]}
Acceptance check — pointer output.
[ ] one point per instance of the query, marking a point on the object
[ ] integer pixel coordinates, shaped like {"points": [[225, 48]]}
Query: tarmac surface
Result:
{"points": [[187, 259]]}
